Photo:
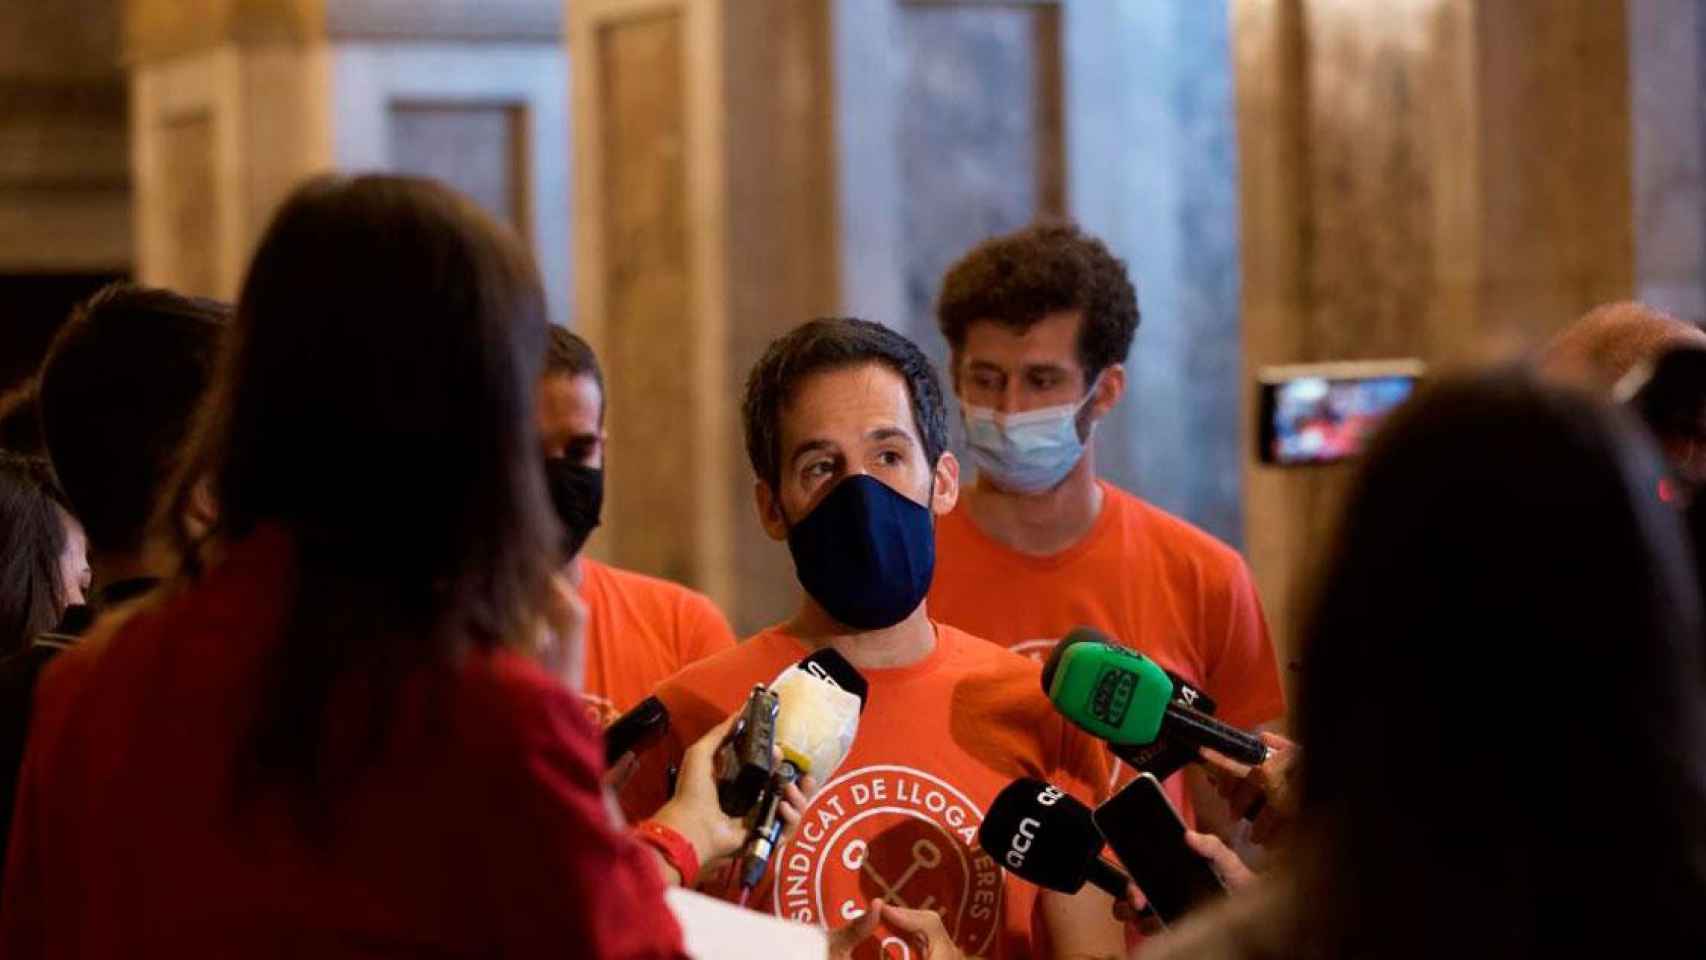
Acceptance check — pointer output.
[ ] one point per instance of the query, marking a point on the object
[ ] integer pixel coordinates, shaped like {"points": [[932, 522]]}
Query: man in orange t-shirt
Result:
{"points": [[846, 430], [1040, 322], [640, 630]]}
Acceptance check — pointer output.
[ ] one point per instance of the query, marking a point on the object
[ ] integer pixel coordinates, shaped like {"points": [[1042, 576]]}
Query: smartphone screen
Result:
{"points": [[1148, 837], [1326, 413]]}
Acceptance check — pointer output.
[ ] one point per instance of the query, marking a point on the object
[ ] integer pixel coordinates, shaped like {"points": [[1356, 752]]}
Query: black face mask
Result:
{"points": [[578, 494], [865, 553]]}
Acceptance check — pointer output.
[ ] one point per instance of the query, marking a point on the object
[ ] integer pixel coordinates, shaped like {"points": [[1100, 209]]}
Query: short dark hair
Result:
{"points": [[834, 343], [383, 365], [119, 390], [1018, 278], [568, 355], [32, 595], [20, 419]]}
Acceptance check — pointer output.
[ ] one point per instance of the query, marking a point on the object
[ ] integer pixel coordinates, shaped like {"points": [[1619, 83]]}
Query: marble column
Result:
{"points": [[1151, 152], [233, 103], [1443, 179], [1667, 71]]}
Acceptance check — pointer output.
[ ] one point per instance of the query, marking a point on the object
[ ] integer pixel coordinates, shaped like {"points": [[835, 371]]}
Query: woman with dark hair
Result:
{"points": [[1503, 701], [330, 736], [43, 566]]}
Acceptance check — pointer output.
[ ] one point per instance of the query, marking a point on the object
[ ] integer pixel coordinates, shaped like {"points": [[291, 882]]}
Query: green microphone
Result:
{"points": [[1126, 698]]}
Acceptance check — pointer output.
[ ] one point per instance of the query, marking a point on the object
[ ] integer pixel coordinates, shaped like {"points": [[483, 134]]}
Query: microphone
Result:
{"points": [[821, 699], [1127, 699], [1164, 757], [1047, 838], [635, 730]]}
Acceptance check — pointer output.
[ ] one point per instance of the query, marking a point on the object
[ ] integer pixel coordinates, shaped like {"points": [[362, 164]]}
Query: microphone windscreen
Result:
{"points": [[830, 666], [816, 723], [1042, 834], [1079, 635]]}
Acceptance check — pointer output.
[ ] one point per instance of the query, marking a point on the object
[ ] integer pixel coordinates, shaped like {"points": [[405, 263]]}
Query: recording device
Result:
{"points": [[636, 730], [821, 699], [1324, 413], [746, 758], [1127, 699], [1148, 837], [1047, 838], [1164, 757]]}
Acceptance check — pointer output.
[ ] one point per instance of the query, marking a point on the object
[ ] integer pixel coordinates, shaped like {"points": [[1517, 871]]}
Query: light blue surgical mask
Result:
{"points": [[1025, 452]]}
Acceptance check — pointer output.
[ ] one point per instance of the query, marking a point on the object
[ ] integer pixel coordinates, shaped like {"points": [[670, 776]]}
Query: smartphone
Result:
{"points": [[1148, 837], [1324, 413], [635, 730]]}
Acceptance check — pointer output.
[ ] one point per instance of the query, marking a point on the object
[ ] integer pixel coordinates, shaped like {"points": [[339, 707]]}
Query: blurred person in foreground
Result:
{"points": [[1515, 766], [329, 735], [116, 396], [640, 629]]}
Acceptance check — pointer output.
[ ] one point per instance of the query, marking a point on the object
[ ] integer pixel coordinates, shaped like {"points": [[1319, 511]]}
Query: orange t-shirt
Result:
{"points": [[937, 741], [640, 632], [1142, 576]]}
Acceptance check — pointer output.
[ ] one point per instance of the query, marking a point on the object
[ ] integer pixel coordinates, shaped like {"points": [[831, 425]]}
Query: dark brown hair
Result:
{"points": [[834, 343], [32, 530], [375, 400], [119, 389], [1018, 278]]}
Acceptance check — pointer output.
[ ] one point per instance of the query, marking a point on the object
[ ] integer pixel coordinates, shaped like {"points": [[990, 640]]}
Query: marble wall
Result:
{"points": [[1667, 72], [1153, 170]]}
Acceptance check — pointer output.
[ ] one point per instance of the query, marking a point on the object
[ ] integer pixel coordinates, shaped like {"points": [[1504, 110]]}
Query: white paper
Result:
{"points": [[716, 930]]}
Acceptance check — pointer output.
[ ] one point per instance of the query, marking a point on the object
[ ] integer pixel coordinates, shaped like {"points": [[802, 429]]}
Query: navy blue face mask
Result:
{"points": [[866, 553]]}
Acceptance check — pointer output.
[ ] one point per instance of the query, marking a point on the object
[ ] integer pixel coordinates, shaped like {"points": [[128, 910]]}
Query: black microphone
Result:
{"points": [[1046, 837], [635, 730], [1164, 757], [832, 668]]}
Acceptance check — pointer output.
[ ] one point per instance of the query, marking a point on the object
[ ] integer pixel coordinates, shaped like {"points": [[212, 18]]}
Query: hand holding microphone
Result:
{"points": [[820, 700], [1128, 700]]}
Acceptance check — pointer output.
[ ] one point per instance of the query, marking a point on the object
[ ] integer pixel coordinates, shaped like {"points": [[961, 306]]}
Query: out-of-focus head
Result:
{"points": [[1614, 351], [1609, 341], [1504, 657], [119, 391], [571, 400], [42, 565], [376, 398]]}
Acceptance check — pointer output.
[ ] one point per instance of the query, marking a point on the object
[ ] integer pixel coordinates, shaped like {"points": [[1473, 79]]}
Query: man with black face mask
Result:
{"points": [[640, 630], [846, 431]]}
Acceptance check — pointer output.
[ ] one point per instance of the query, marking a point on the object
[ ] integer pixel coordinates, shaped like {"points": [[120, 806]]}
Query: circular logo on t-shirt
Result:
{"points": [[896, 833], [1037, 650]]}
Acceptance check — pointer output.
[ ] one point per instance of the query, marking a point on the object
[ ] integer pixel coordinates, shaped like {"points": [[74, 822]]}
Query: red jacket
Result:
{"points": [[481, 828]]}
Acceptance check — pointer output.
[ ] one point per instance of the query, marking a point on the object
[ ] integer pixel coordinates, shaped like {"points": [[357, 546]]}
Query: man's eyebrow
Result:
{"points": [[814, 445], [889, 433]]}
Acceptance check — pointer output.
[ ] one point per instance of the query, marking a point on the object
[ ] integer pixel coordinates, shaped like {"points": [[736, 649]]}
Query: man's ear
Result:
{"points": [[769, 511], [1110, 387], [947, 486]]}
